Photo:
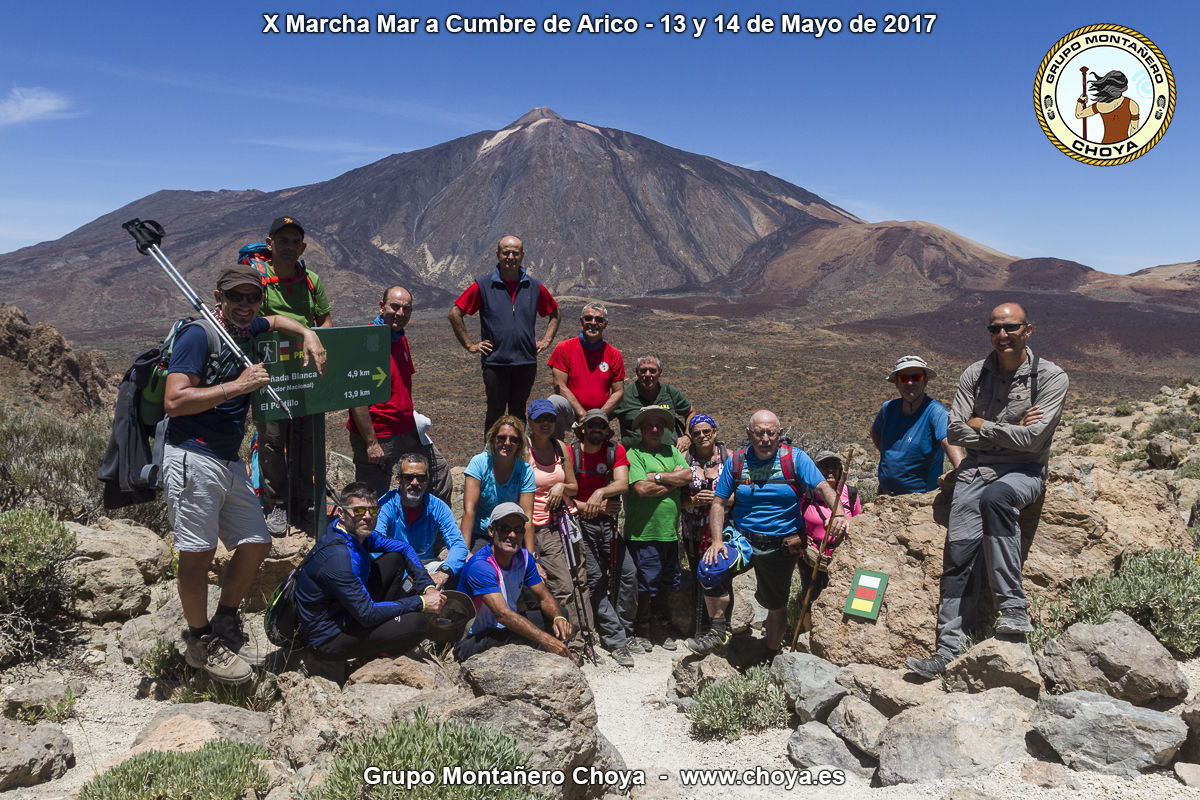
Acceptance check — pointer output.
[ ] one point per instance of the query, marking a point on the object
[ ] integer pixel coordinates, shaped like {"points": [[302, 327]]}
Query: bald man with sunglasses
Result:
{"points": [[1004, 416]]}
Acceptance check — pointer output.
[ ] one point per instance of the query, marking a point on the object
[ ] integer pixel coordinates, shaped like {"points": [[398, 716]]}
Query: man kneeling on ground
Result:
{"points": [[494, 577], [351, 605]]}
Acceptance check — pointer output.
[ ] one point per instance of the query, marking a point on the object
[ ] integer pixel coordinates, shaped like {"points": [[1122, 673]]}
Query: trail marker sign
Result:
{"points": [[866, 593], [357, 372]]}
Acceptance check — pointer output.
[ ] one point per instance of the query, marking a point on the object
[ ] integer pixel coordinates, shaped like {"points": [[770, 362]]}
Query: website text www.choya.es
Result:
{"points": [[619, 779]]}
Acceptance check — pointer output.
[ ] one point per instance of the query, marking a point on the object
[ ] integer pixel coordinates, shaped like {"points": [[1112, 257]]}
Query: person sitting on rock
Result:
{"points": [[351, 605], [410, 512], [495, 577]]}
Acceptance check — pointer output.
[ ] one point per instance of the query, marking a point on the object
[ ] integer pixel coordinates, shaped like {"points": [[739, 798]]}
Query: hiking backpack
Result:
{"points": [[258, 255], [610, 458]]}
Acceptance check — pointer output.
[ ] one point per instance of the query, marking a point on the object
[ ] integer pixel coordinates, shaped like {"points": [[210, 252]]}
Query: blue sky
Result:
{"points": [[101, 104]]}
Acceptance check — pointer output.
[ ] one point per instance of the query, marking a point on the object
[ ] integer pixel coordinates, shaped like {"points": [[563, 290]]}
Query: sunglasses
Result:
{"points": [[362, 511], [239, 297], [505, 530], [546, 418], [590, 318], [507, 439], [1012, 327], [420, 477], [702, 431], [910, 378], [764, 434]]}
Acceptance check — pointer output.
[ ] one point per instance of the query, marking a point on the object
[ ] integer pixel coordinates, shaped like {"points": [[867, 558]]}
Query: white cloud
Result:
{"points": [[34, 103]]}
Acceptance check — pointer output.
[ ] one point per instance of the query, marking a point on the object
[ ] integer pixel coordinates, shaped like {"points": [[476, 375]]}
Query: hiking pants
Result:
{"points": [[614, 622], [285, 460], [385, 583], [983, 542], [564, 586], [507, 391]]}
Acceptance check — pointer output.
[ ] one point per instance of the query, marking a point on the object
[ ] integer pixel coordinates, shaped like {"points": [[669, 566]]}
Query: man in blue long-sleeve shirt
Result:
{"points": [[411, 513], [353, 606]]}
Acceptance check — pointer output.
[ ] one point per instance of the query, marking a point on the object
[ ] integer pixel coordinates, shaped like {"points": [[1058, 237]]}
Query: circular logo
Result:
{"points": [[1104, 94], [604, 366]]}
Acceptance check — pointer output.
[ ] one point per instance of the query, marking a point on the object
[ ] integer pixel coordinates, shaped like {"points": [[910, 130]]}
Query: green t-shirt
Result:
{"points": [[291, 298], [627, 409], [652, 519]]}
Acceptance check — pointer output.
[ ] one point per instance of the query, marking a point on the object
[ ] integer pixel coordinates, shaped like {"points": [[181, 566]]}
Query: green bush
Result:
{"points": [[423, 744], [1130, 455], [1157, 588], [57, 711], [1179, 423], [46, 463], [746, 703], [1123, 409], [1190, 470], [163, 660], [220, 770], [1086, 433], [36, 583]]}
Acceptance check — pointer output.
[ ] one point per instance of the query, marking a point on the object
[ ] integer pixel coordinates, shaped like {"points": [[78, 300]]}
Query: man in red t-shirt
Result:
{"points": [[380, 434], [598, 502], [589, 373], [509, 303]]}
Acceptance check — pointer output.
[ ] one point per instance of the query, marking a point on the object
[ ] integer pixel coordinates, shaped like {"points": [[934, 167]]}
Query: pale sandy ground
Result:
{"points": [[651, 736]]}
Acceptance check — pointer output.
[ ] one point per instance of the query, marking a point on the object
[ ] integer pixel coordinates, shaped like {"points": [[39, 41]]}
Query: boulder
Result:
{"points": [[420, 672], [1166, 451], [33, 754], [227, 722], [691, 673], [112, 539], [859, 724], [110, 588], [994, 663], [37, 696], [954, 736], [1119, 658], [1046, 774], [1190, 714], [286, 554], [1092, 514], [810, 684], [140, 635], [889, 691], [1188, 774], [1097, 733], [814, 745]]}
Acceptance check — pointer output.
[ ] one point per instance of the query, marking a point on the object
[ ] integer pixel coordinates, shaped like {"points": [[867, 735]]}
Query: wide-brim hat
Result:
{"points": [[450, 622], [423, 422], [653, 411], [911, 362]]}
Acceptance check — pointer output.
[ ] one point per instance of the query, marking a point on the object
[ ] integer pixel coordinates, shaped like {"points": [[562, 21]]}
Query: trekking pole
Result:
{"points": [[837, 503], [573, 564], [1083, 77], [148, 234], [705, 535]]}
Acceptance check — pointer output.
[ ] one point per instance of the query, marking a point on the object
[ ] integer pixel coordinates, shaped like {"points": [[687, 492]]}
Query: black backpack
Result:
{"points": [[280, 618]]}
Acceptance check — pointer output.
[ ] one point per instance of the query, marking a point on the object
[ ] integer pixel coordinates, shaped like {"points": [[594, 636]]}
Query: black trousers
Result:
{"points": [[507, 389], [394, 636]]}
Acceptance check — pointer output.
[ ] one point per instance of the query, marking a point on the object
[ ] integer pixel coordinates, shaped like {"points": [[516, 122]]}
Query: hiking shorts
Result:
{"points": [[773, 570], [210, 499]]}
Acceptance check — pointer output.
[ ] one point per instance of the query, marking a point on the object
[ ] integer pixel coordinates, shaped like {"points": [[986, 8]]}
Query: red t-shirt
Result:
{"points": [[469, 302], [396, 415], [595, 462], [590, 372]]}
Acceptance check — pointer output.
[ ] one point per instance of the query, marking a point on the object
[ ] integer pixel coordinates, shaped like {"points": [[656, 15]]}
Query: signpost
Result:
{"points": [[357, 373]]}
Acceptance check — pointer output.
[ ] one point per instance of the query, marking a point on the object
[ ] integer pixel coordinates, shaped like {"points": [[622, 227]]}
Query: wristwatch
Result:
{"points": [[658, 477], [445, 569]]}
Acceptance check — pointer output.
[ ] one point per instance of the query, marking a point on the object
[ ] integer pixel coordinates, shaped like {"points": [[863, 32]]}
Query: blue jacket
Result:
{"points": [[331, 589], [436, 518], [507, 323]]}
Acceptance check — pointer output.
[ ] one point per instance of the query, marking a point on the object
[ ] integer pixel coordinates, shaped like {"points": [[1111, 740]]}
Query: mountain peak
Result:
{"points": [[533, 115]]}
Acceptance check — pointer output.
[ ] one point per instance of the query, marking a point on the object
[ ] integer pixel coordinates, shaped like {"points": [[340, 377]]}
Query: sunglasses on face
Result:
{"points": [[420, 477], [1012, 327], [702, 431], [507, 530], [239, 297], [507, 440], [362, 511], [546, 418], [910, 378], [590, 318]]}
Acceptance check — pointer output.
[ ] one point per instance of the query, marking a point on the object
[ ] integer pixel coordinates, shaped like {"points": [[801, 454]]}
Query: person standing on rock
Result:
{"points": [[509, 303], [910, 432], [285, 446], [1004, 415], [208, 491], [381, 433], [766, 508]]}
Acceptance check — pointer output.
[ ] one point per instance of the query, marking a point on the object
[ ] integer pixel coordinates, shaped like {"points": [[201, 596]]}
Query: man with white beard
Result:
{"points": [[410, 513]]}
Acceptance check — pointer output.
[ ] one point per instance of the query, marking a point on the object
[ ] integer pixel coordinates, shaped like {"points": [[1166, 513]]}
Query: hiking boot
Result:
{"points": [[277, 523], [666, 634], [230, 629], [1013, 621], [638, 645], [622, 656], [930, 667], [211, 654], [710, 641]]}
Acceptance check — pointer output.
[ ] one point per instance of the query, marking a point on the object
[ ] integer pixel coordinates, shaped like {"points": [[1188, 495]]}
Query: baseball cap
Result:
{"points": [[911, 362], [283, 222], [507, 510], [238, 275], [540, 407]]}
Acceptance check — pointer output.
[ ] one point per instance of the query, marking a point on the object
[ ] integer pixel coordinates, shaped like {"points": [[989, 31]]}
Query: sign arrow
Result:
{"points": [[379, 377]]}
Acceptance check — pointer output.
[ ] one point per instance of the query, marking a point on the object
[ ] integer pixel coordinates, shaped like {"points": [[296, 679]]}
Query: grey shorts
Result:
{"points": [[209, 499]]}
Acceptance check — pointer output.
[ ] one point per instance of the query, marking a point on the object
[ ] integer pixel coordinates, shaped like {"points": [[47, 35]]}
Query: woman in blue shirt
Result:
{"points": [[497, 476]]}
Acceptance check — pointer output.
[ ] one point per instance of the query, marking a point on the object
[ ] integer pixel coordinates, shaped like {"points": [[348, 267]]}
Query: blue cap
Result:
{"points": [[540, 407]]}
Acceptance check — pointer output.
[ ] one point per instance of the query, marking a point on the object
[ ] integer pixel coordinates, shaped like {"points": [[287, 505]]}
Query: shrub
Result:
{"points": [[220, 770], [1190, 470], [1123, 409], [46, 463], [1157, 588], [1179, 423], [1194, 532], [163, 660], [1086, 433], [743, 704], [36, 584], [1130, 455], [423, 744]]}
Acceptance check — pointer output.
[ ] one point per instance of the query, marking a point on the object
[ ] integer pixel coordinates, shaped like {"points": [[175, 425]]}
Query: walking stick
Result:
{"points": [[564, 535], [705, 535], [147, 235], [1083, 79], [837, 503]]}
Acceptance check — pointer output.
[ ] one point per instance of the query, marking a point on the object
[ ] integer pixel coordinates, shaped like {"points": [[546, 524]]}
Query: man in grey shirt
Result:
{"points": [[1004, 416]]}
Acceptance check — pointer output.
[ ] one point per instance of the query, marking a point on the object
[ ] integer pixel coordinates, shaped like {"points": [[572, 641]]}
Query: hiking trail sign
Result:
{"points": [[866, 593], [357, 372]]}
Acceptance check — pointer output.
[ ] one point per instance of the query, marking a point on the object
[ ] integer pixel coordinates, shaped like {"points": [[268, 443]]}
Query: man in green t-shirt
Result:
{"points": [[657, 473], [649, 390], [291, 290]]}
